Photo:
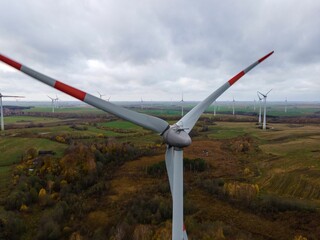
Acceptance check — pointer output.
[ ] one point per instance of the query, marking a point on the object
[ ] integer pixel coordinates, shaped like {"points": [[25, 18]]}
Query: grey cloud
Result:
{"points": [[144, 44]]}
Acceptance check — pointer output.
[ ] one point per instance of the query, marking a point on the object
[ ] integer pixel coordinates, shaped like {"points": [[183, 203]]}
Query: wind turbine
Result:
{"points": [[56, 100], [182, 102], [176, 136], [233, 103], [1, 108], [259, 108], [101, 95], [264, 125], [52, 103], [214, 108], [285, 107], [254, 105], [141, 102]]}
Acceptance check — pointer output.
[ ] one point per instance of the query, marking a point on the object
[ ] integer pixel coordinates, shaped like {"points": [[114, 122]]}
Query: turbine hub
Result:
{"points": [[177, 137]]}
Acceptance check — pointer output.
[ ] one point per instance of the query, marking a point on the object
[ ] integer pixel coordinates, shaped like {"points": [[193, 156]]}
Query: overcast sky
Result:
{"points": [[156, 50]]}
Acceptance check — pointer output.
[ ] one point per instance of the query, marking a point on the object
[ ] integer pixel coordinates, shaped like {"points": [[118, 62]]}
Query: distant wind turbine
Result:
{"points": [[101, 95], [1, 108], [233, 103], [285, 107], [254, 105], [141, 102], [56, 100], [52, 103], [182, 103], [259, 108], [264, 125]]}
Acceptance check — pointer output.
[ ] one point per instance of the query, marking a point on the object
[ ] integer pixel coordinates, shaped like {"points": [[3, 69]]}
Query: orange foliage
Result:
{"points": [[243, 191]]}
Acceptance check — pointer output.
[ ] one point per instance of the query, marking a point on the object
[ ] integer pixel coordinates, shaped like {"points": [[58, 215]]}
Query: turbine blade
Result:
{"points": [[153, 123], [185, 236], [263, 95], [268, 92], [190, 119], [12, 96], [169, 165], [170, 155]]}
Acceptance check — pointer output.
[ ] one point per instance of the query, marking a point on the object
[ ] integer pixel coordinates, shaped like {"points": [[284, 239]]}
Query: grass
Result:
{"points": [[13, 147], [289, 162], [121, 125], [28, 119], [83, 110], [222, 133]]}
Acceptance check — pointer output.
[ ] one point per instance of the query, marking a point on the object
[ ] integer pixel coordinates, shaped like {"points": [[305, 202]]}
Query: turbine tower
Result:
{"points": [[233, 103], [52, 103], [101, 95], [214, 108], [141, 102], [1, 108], [259, 108], [56, 101], [176, 136], [285, 107], [264, 125], [254, 105], [182, 102]]}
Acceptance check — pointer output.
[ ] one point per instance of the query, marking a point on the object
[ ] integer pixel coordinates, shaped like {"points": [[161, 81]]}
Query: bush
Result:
{"points": [[278, 204], [157, 169], [15, 200], [12, 227], [194, 165], [212, 186], [50, 230]]}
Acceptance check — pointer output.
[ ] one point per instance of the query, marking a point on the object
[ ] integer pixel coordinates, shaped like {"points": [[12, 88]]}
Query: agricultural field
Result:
{"points": [[107, 176]]}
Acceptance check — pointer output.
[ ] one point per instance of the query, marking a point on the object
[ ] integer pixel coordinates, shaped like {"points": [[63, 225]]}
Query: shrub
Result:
{"points": [[50, 230], [15, 200]]}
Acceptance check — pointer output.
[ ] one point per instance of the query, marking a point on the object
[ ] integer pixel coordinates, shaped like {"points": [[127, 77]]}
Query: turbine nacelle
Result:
{"points": [[176, 136]]}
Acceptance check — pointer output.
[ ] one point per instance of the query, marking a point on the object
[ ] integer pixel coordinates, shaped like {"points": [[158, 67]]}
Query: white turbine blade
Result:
{"points": [[170, 154], [190, 119], [263, 95], [1, 113], [268, 92], [185, 236], [169, 166], [177, 195], [143, 120], [13, 96]]}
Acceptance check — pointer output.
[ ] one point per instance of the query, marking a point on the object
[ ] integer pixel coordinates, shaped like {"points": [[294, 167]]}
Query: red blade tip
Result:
{"points": [[266, 56], [10, 62]]}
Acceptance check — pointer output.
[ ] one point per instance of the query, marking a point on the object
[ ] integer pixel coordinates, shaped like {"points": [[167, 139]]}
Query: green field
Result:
{"points": [[16, 141], [12, 149], [28, 119], [82, 110], [121, 125]]}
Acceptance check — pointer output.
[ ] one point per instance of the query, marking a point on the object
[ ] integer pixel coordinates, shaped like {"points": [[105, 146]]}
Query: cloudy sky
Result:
{"points": [[157, 49]]}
